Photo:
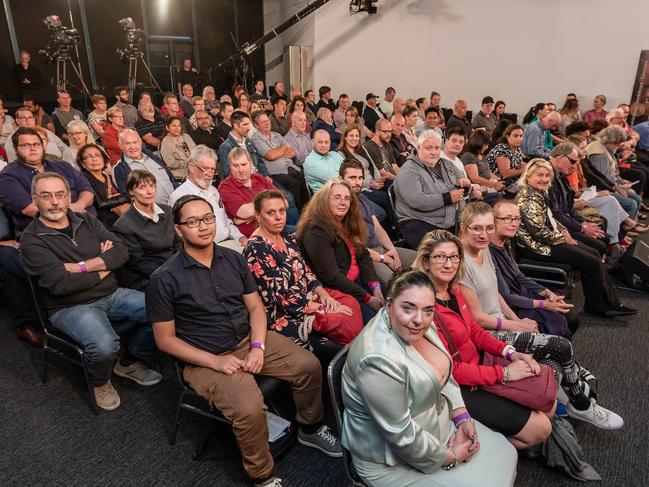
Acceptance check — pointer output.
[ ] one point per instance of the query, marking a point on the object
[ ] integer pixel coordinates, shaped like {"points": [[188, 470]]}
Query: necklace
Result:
{"points": [[445, 302]]}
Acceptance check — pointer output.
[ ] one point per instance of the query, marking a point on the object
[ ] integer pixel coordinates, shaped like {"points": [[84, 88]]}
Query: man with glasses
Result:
{"points": [[219, 330], [201, 169], [379, 151], [564, 159], [16, 179], [25, 118], [73, 258], [205, 133]]}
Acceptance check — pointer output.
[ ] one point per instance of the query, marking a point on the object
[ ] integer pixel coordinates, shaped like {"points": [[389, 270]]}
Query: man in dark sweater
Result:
{"points": [[73, 256]]}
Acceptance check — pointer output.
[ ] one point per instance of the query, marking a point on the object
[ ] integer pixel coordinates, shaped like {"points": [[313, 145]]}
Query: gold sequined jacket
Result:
{"points": [[536, 232]]}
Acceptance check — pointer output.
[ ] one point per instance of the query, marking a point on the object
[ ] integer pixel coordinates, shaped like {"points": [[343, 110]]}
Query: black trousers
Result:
{"points": [[414, 230], [599, 245], [598, 290], [294, 183]]}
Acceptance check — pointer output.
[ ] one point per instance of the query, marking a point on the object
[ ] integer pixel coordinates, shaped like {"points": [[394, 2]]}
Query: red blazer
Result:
{"points": [[469, 337], [110, 140]]}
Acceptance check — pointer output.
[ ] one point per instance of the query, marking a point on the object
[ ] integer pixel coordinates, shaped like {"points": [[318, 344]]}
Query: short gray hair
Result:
{"points": [[563, 149], [49, 175], [238, 152], [428, 134], [125, 132], [613, 134], [200, 152]]}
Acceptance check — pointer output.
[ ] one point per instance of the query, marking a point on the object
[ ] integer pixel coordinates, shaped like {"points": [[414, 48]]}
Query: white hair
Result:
{"points": [[428, 134]]}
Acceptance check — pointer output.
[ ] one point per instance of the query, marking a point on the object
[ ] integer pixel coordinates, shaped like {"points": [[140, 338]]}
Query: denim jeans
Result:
{"points": [[90, 326]]}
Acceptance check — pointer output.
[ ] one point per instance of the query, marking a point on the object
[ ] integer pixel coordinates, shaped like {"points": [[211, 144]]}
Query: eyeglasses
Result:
{"points": [[28, 117], [204, 170], [93, 156], [479, 230], [194, 222], [338, 198], [443, 259], [59, 195], [35, 145], [509, 219], [76, 133], [572, 161]]}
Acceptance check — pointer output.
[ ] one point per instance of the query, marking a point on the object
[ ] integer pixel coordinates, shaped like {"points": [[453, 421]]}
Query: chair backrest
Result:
{"points": [[392, 196], [39, 302], [334, 377]]}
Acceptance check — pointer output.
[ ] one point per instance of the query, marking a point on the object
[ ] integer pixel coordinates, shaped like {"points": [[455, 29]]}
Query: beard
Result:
{"points": [[54, 214]]}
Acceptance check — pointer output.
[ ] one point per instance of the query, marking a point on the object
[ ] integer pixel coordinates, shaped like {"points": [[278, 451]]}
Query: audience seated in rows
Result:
{"points": [[204, 133], [455, 138], [97, 117], [379, 151], [219, 331], [238, 136], [122, 102], [73, 257], [25, 118]]}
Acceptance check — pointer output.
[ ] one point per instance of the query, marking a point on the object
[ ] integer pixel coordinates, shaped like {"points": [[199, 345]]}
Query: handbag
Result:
{"points": [[537, 392]]}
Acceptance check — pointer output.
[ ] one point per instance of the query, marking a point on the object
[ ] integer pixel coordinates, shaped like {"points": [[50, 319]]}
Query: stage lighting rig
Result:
{"points": [[368, 6]]}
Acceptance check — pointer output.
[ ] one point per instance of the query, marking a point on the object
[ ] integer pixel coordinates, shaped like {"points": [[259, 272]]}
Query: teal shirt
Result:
{"points": [[319, 169]]}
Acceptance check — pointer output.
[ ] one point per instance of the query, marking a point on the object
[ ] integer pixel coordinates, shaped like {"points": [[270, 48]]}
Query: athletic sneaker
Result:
{"points": [[271, 482], [322, 440], [137, 372], [596, 415], [106, 397]]}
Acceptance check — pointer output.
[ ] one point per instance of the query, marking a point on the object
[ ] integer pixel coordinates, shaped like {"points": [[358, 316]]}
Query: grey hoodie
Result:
{"points": [[422, 195]]}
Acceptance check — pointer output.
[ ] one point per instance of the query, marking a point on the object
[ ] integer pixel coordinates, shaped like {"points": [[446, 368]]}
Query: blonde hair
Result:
{"points": [[82, 127], [532, 167], [429, 243]]}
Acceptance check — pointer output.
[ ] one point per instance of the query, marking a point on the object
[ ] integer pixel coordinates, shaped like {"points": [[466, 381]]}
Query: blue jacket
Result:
{"points": [[122, 170], [230, 144]]}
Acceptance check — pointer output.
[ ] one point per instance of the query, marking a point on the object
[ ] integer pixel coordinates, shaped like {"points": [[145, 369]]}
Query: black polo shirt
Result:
{"points": [[211, 139], [206, 303], [155, 128]]}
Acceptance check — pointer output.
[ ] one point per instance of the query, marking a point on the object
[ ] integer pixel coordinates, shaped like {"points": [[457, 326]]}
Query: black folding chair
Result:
{"points": [[334, 376], [189, 400], [61, 345]]}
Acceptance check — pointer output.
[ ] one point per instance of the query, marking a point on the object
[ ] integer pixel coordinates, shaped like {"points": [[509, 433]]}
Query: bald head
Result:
{"points": [[551, 120], [460, 108], [321, 142], [398, 123]]}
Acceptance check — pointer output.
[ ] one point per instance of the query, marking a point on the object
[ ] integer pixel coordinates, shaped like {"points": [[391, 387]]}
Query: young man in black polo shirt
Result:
{"points": [[205, 311]]}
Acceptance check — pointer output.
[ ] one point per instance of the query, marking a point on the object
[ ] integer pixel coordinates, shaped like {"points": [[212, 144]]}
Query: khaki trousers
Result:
{"points": [[239, 399]]}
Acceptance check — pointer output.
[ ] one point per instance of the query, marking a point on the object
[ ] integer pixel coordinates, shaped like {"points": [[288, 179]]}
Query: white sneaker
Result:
{"points": [[106, 397], [597, 415]]}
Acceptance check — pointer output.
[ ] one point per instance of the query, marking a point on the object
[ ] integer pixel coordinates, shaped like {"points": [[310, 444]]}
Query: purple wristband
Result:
{"points": [[373, 285], [499, 324], [461, 417], [509, 354], [541, 304], [83, 267]]}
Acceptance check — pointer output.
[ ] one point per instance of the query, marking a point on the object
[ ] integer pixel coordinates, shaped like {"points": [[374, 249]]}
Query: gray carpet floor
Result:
{"points": [[49, 436]]}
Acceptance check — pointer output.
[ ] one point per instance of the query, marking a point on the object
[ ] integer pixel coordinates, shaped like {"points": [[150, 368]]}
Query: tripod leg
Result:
{"points": [[151, 75], [80, 76]]}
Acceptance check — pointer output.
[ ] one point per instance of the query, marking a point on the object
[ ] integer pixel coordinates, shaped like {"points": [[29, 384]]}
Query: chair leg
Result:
{"points": [[45, 364], [174, 429]]}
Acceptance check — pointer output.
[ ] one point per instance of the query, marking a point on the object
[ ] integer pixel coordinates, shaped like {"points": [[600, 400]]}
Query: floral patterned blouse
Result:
{"points": [[515, 157], [285, 283]]}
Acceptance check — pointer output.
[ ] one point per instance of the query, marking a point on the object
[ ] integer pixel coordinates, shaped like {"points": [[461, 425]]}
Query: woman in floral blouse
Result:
{"points": [[296, 303]]}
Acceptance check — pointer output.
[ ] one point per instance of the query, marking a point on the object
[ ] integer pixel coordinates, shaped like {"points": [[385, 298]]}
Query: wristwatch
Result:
{"points": [[453, 463], [258, 345]]}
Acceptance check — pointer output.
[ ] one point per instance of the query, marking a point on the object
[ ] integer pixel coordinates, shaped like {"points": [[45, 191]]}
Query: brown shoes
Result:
{"points": [[30, 335]]}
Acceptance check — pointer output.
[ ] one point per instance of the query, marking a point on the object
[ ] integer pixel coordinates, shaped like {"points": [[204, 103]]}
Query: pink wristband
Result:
{"points": [[499, 324]]}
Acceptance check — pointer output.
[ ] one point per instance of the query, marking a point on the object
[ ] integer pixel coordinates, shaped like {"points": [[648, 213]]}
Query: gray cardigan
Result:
{"points": [[422, 195]]}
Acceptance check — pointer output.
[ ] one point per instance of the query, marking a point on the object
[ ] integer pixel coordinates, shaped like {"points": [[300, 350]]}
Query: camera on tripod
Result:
{"points": [[62, 39], [133, 40]]}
